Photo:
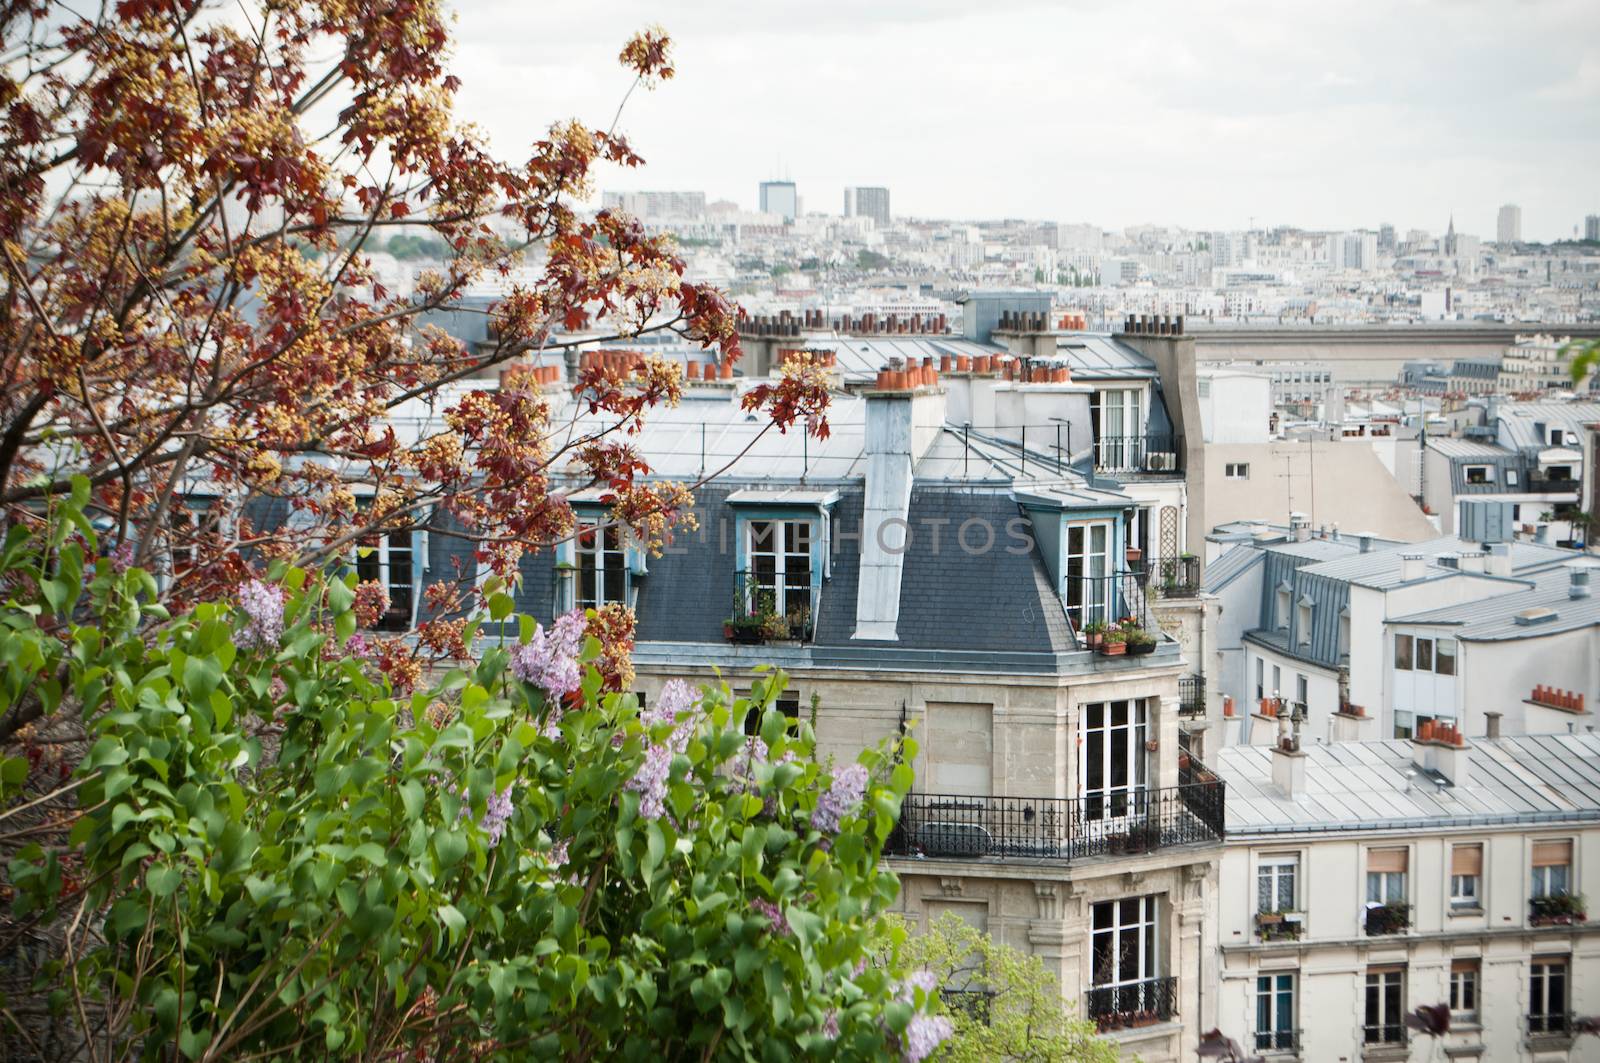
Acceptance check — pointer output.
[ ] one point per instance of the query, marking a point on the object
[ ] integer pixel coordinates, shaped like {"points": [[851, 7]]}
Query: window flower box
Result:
{"points": [[1114, 644], [1279, 926], [1562, 909], [1391, 918]]}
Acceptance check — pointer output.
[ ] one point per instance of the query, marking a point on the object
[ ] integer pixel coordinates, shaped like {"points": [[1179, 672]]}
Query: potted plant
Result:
{"points": [[1134, 555], [1140, 641], [1391, 918], [1559, 909], [1114, 643], [1094, 633]]}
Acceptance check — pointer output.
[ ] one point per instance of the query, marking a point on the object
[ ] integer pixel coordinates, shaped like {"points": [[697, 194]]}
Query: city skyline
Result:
{"points": [[1407, 117]]}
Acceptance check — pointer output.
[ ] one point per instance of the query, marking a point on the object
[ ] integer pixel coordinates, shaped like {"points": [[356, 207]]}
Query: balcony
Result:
{"points": [[1124, 823], [1192, 697], [1280, 1041], [1154, 453], [757, 617], [1385, 1034], [1178, 577], [1391, 918], [1280, 926], [1132, 1004], [1551, 1025], [1098, 604], [1538, 484]]}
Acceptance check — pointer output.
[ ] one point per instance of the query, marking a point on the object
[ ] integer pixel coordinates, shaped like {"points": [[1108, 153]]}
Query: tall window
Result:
{"points": [[1118, 429], [388, 560], [1402, 652], [1302, 689], [1261, 673], [1552, 868], [1547, 995], [1385, 1014], [187, 521], [1113, 758], [1386, 876], [780, 565], [1466, 876], [1282, 619], [1124, 941], [1276, 883], [1303, 624], [1344, 632], [1464, 988], [602, 566], [1090, 596], [1275, 1011]]}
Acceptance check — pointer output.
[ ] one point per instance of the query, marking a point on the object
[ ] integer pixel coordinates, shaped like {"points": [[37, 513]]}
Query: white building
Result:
{"points": [[781, 199], [1508, 227], [1537, 363], [1360, 881]]}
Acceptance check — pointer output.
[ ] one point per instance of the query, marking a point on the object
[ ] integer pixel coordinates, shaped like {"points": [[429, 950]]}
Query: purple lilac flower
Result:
{"points": [[122, 556], [924, 1033], [558, 853], [550, 659], [358, 647], [676, 699], [923, 980], [843, 797], [772, 914], [495, 815], [263, 605], [650, 781], [830, 1025]]}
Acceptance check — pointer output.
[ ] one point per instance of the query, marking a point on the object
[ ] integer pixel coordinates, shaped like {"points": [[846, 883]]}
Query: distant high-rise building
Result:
{"points": [[1509, 228], [1386, 237], [868, 202], [1591, 227], [688, 206], [780, 198], [1227, 249]]}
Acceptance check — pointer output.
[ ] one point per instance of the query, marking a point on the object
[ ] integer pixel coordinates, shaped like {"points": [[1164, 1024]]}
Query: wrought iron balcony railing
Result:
{"points": [[1095, 602], [1386, 1033], [1117, 1007], [1153, 452], [1558, 1024], [1178, 577], [1192, 696], [1124, 822], [1278, 1041]]}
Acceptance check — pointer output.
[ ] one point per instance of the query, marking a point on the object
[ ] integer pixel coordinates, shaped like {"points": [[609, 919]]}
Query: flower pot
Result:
{"points": [[1094, 639], [1133, 554], [1113, 649], [1138, 648], [1183, 761]]}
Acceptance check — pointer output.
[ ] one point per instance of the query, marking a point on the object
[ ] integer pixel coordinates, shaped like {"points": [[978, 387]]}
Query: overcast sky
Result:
{"points": [[1119, 112]]}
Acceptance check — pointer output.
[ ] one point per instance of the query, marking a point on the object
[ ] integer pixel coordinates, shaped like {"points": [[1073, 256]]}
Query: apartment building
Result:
{"points": [[1362, 880], [1536, 363]]}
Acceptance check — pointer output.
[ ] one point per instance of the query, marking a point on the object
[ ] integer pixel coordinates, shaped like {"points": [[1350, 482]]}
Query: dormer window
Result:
{"points": [[602, 566], [1478, 474], [1281, 620], [780, 563]]}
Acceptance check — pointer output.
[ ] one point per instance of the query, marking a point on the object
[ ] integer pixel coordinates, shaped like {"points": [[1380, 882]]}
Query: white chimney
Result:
{"points": [[1472, 561], [1412, 567], [1499, 561], [1448, 759], [1578, 587], [1300, 527], [1288, 761], [901, 424]]}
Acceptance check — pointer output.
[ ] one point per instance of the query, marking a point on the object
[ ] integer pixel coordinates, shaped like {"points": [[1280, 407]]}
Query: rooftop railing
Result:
{"points": [[1106, 601], [1118, 823], [1178, 577], [1150, 453], [1192, 697]]}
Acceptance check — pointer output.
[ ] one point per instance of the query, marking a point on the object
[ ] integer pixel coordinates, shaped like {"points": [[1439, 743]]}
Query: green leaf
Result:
{"points": [[412, 797], [500, 606], [451, 917], [451, 845], [163, 879]]}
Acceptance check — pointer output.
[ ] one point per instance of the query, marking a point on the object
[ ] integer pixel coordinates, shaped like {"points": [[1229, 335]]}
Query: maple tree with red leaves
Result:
{"points": [[187, 196]]}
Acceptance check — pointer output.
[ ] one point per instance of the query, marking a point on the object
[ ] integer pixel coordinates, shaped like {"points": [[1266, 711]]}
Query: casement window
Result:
{"points": [[1302, 690], [1552, 868], [1385, 1012], [601, 561], [1466, 876], [1277, 681], [1281, 620], [1547, 995], [1386, 876], [1113, 763], [779, 558], [1464, 988], [1344, 631], [1118, 429], [1511, 481], [1275, 1011], [1303, 624], [1125, 941], [1261, 672], [1444, 656], [390, 560], [1236, 470], [1478, 474], [1090, 590], [1402, 652], [1276, 884]]}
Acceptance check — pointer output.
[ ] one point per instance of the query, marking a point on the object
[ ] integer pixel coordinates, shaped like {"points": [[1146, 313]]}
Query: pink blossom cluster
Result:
{"points": [[495, 816], [843, 798], [650, 781], [550, 659], [263, 608], [924, 1033], [677, 698], [772, 914]]}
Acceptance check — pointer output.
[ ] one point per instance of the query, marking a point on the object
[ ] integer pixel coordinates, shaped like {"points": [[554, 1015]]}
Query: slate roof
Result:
{"points": [[1451, 447], [1098, 357], [1353, 786], [1495, 619], [1517, 420], [1380, 568], [1233, 563]]}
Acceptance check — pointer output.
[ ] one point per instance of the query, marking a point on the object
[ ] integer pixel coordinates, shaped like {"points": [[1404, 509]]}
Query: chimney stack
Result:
{"points": [[1412, 567], [1366, 542], [1491, 724], [1579, 585], [1288, 760], [1499, 561]]}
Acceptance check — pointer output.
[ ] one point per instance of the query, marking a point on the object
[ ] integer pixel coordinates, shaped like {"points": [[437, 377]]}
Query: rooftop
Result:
{"points": [[1497, 619], [1354, 786]]}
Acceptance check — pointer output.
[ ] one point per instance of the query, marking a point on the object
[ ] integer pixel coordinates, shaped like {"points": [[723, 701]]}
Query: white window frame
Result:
{"points": [[1464, 986], [1271, 987], [1236, 470], [1487, 472], [1277, 872], [605, 559], [1089, 568], [1466, 891], [1145, 928], [1393, 1025], [783, 559], [1120, 750], [380, 562], [1541, 884], [1543, 974]]}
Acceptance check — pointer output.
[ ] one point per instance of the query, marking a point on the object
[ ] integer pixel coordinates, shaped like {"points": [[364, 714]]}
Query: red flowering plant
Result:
{"points": [[191, 309]]}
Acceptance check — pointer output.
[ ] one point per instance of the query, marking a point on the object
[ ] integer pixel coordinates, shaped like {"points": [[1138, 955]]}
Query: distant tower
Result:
{"points": [[1508, 229], [1450, 236], [780, 198]]}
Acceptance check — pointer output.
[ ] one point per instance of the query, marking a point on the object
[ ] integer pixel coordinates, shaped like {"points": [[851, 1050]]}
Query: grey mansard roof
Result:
{"points": [[1355, 786]]}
